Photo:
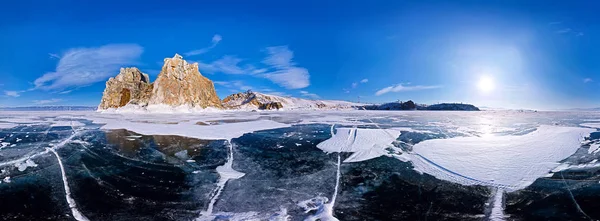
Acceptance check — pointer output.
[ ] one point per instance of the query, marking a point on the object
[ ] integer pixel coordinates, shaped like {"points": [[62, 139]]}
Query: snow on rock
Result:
{"points": [[364, 143], [510, 162], [250, 100]]}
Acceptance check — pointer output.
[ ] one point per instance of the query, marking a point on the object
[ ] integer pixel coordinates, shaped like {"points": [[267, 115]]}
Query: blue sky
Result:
{"points": [[515, 54]]}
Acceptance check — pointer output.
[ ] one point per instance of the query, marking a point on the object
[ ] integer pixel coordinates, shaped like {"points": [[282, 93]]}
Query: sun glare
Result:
{"points": [[486, 84]]}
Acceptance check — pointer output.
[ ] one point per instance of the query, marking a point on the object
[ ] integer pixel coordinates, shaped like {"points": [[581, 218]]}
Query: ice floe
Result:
{"points": [[190, 129], [365, 144], [511, 162]]}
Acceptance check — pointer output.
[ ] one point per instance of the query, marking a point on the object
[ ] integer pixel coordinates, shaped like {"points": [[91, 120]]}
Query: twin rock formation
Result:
{"points": [[179, 83]]}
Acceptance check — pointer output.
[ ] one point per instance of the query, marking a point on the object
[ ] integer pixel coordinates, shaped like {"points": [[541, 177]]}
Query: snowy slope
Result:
{"points": [[253, 100]]}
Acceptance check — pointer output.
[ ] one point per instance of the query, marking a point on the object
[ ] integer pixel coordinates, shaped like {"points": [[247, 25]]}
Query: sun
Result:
{"points": [[486, 84]]}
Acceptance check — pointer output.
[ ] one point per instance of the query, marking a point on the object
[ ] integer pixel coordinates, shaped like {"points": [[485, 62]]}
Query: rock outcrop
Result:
{"points": [[259, 101], [271, 106], [251, 100], [129, 86], [180, 83]]}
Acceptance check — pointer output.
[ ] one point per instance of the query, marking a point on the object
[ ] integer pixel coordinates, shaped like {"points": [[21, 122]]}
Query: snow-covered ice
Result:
{"points": [[364, 143], [512, 162]]}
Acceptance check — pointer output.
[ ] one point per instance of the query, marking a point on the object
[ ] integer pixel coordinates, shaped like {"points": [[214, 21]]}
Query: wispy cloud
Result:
{"points": [[12, 93], [54, 56], [228, 65], [237, 86], [354, 85], [80, 67], [587, 80], [309, 95], [49, 101], [215, 41], [400, 88], [280, 68], [564, 31], [285, 73]]}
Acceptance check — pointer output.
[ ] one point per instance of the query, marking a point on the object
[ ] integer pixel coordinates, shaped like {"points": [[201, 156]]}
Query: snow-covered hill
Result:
{"points": [[254, 100]]}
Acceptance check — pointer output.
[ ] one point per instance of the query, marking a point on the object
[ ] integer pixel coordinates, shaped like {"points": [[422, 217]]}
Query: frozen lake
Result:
{"points": [[300, 165]]}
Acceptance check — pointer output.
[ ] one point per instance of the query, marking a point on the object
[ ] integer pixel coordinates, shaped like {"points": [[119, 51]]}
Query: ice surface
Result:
{"points": [[593, 148], [7, 125], [226, 173], [364, 143], [76, 214], [511, 162], [497, 213], [190, 129], [500, 151], [22, 166], [593, 125]]}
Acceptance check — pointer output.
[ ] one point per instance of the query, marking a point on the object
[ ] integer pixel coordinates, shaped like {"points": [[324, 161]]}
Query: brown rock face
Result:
{"points": [[252, 100], [130, 86], [180, 83], [271, 106]]}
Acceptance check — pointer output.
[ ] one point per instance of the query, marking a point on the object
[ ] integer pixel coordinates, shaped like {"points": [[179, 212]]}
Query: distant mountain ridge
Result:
{"points": [[410, 105]]}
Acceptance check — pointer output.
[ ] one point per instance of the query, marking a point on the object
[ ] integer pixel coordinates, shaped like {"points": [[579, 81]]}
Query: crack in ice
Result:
{"points": [[72, 205], [226, 173]]}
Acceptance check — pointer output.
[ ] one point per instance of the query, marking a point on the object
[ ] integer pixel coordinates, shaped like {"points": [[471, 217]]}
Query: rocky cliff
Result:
{"points": [[129, 86], [178, 83]]}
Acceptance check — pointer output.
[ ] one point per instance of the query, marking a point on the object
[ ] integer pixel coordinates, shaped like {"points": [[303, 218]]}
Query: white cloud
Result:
{"points": [[364, 80], [215, 41], [279, 57], [227, 64], [234, 86], [286, 73], [400, 87], [354, 85], [54, 56], [49, 101], [12, 93], [280, 69], [587, 80], [564, 31], [290, 78], [309, 95], [80, 67]]}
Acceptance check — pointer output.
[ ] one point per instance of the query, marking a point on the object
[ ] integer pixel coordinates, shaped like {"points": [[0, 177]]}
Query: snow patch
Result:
{"points": [[511, 162], [364, 143], [22, 166], [189, 129]]}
